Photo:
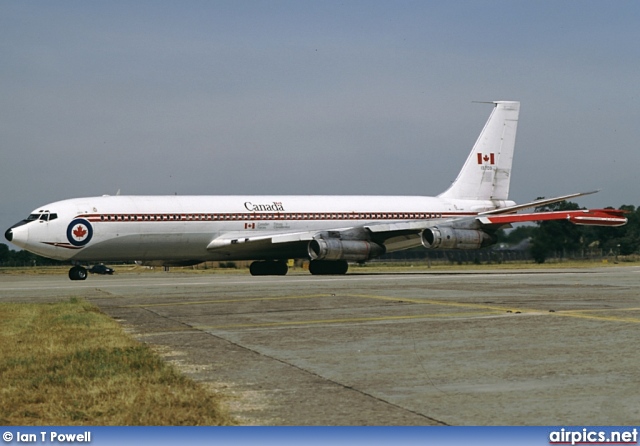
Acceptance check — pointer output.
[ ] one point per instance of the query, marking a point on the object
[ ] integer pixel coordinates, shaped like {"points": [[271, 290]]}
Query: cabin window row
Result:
{"points": [[273, 216]]}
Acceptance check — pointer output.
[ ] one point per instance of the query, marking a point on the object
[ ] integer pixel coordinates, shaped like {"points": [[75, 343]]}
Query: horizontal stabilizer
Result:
{"points": [[586, 217]]}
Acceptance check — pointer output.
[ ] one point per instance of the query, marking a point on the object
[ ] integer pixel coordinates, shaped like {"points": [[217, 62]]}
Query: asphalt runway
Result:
{"points": [[552, 347]]}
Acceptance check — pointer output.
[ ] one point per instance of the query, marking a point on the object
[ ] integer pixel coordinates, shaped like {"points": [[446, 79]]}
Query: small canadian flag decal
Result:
{"points": [[486, 158]]}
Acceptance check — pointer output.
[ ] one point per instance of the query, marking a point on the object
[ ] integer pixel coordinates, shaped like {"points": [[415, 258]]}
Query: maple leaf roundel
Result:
{"points": [[79, 232]]}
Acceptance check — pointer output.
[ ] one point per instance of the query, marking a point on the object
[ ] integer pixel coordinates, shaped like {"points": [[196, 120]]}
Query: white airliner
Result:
{"points": [[327, 230]]}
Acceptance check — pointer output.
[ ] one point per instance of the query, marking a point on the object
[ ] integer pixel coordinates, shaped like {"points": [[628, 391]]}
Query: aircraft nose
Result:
{"points": [[18, 234]]}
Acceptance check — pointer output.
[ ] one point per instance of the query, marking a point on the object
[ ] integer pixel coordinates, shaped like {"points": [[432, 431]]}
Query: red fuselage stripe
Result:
{"points": [[254, 216]]}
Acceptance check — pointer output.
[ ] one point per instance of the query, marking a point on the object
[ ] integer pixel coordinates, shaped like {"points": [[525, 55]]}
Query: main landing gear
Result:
{"points": [[269, 268], [78, 273], [316, 267]]}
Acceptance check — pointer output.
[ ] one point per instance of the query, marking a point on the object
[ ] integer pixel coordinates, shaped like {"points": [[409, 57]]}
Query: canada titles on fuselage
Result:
{"points": [[275, 206]]}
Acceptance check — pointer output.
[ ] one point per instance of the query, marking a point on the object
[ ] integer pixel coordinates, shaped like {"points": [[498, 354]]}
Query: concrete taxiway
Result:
{"points": [[516, 347]]}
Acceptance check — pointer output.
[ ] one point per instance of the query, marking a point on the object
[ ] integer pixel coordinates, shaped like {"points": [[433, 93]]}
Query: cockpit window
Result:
{"points": [[42, 216]]}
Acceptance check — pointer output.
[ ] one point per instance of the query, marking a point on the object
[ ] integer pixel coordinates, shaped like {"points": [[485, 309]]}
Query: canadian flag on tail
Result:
{"points": [[486, 158]]}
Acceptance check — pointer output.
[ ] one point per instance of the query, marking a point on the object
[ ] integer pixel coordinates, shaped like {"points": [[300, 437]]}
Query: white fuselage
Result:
{"points": [[181, 228]]}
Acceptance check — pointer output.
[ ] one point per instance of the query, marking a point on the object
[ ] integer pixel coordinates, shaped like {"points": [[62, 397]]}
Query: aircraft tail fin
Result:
{"points": [[487, 172]]}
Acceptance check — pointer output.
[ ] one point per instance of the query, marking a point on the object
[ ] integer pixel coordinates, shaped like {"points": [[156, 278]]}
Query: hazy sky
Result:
{"points": [[302, 97]]}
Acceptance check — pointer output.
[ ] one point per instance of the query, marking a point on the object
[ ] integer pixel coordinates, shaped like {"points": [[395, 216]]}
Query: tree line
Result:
{"points": [[561, 235], [547, 238], [10, 257]]}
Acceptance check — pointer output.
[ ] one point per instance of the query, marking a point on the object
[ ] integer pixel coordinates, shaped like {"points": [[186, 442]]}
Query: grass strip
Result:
{"points": [[68, 364]]}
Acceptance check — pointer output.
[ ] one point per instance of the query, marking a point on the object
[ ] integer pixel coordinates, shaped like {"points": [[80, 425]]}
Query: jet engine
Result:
{"points": [[447, 237], [337, 249]]}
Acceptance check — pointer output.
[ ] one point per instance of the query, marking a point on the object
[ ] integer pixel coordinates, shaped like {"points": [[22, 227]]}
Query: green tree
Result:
{"points": [[627, 237], [623, 240], [24, 258], [5, 254], [555, 235]]}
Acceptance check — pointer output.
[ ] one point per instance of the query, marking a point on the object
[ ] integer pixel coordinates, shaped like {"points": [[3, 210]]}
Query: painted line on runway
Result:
{"points": [[492, 309], [450, 316], [360, 296], [186, 330], [569, 313], [224, 301], [583, 315], [444, 303]]}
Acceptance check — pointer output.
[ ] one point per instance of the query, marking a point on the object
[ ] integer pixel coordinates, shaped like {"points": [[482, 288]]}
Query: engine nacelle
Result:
{"points": [[447, 237], [336, 249]]}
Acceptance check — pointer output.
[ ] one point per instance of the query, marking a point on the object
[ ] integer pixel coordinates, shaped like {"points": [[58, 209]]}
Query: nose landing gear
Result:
{"points": [[78, 273]]}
